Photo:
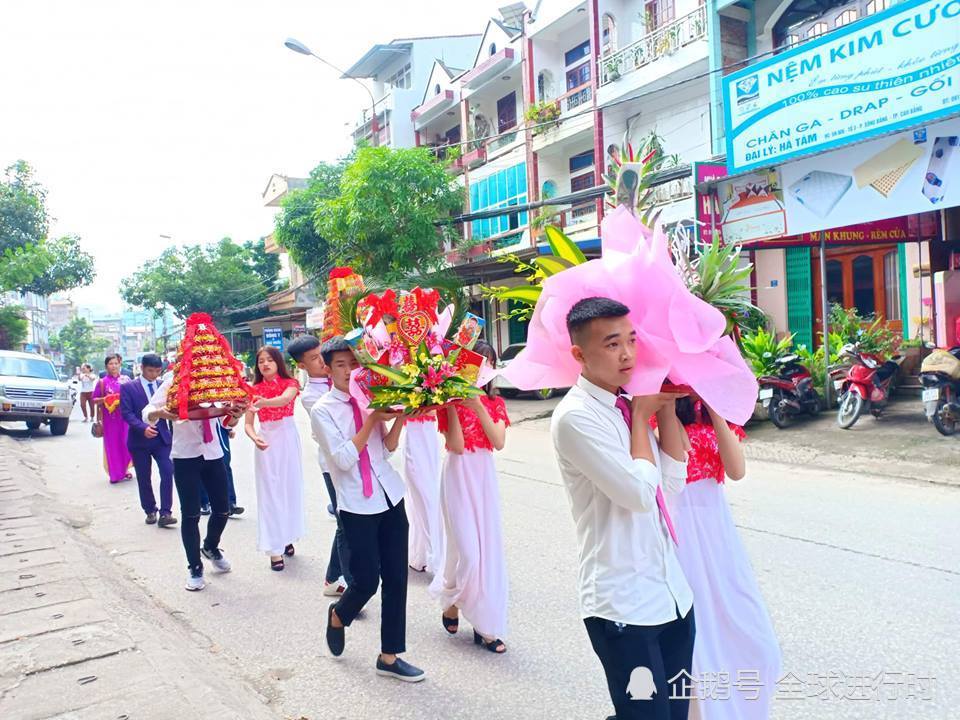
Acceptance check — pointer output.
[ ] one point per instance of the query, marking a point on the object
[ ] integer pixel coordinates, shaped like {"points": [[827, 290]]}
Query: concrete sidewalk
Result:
{"points": [[78, 639], [901, 444]]}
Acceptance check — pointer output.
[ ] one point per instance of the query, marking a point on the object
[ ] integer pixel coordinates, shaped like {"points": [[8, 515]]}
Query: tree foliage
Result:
{"points": [[78, 343], [13, 327], [29, 260], [211, 278], [265, 265], [383, 220], [294, 226]]}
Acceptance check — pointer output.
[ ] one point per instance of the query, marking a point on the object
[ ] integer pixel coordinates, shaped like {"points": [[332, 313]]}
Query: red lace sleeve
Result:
{"points": [[738, 431], [497, 409]]}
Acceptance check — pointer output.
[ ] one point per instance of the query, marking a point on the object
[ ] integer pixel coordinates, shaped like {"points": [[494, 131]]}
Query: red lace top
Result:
{"points": [[474, 438], [704, 459], [271, 389]]}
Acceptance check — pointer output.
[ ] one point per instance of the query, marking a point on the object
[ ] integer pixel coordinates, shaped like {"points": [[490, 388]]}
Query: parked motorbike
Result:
{"points": [[940, 378], [789, 393], [867, 383]]}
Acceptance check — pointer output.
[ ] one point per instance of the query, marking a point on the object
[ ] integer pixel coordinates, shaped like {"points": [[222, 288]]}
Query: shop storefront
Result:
{"points": [[843, 174]]}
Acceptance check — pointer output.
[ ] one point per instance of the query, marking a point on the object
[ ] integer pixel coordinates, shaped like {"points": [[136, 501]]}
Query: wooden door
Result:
{"points": [[865, 277]]}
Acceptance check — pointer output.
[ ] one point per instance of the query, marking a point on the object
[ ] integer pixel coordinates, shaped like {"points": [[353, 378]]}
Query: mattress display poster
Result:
{"points": [[904, 173], [890, 71]]}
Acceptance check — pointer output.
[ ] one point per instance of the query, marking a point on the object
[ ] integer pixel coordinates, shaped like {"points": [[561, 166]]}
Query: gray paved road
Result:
{"points": [[861, 575]]}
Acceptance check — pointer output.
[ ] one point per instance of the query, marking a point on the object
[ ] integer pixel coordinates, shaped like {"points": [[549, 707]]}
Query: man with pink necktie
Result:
{"points": [[356, 447], [634, 599]]}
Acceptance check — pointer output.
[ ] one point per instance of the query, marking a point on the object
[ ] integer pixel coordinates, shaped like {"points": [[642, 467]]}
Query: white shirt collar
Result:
{"points": [[339, 394], [596, 392]]}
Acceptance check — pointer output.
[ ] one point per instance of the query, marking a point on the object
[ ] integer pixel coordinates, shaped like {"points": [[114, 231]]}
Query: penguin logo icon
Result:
{"points": [[641, 685]]}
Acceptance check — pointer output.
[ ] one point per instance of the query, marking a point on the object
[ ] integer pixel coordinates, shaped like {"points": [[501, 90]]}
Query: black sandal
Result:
{"points": [[289, 550], [276, 565], [451, 625], [493, 646]]}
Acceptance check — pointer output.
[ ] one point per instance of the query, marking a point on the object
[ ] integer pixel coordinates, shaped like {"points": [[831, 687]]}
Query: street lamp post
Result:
{"points": [[299, 47]]}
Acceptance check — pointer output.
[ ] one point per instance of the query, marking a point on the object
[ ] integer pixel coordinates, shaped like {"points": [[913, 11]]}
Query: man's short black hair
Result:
{"points": [[589, 309], [333, 346], [151, 360], [300, 346]]}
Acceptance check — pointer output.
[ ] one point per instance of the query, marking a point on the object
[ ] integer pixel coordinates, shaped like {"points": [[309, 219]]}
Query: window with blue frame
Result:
{"points": [[502, 189]]}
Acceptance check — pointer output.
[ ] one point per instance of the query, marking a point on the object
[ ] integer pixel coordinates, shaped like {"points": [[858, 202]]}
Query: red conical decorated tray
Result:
{"points": [[208, 379]]}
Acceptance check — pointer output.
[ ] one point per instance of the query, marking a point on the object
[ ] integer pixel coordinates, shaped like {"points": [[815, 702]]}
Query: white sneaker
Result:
{"points": [[195, 580], [216, 557], [335, 589]]}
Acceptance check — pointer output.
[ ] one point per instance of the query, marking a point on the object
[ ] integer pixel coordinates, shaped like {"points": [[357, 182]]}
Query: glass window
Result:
{"points": [[27, 367], [579, 52], [581, 182], [581, 161], [834, 282], [502, 189], [578, 76], [401, 78], [658, 13], [548, 190], [507, 112], [863, 285], [875, 6], [608, 40], [817, 30], [453, 135], [891, 285], [846, 17]]}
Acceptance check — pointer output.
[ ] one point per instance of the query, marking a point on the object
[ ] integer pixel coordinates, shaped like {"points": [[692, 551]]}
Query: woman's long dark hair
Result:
{"points": [[687, 412], [276, 357], [486, 349]]}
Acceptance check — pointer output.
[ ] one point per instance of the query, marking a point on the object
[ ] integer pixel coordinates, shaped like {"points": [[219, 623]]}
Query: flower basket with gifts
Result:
{"points": [[208, 380], [407, 361]]}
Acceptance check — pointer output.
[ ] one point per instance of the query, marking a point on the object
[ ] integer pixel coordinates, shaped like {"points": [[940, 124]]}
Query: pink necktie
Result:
{"points": [[366, 470], [624, 408], [207, 430]]}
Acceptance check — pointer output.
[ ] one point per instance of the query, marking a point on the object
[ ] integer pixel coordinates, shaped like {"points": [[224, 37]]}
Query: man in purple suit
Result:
{"points": [[147, 443]]}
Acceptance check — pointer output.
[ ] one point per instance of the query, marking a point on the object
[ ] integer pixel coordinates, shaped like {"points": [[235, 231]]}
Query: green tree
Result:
{"points": [[294, 226], [29, 261], [78, 343], [383, 221], [265, 265], [13, 327], [211, 278], [23, 213]]}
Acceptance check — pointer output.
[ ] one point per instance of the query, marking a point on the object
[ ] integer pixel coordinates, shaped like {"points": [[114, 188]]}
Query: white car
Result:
{"points": [[507, 389], [32, 392]]}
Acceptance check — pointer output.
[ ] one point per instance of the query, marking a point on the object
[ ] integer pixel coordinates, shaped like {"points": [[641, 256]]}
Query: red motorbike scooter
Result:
{"points": [[867, 383], [789, 393]]}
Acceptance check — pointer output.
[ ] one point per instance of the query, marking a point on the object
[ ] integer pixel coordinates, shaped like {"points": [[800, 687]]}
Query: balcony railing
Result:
{"points": [[672, 191], [662, 41], [576, 98]]}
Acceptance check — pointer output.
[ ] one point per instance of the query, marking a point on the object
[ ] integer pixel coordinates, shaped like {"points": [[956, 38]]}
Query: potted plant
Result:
{"points": [[612, 68], [543, 116]]}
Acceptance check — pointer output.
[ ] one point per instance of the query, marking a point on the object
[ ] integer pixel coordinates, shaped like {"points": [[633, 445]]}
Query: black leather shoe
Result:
{"points": [[400, 670], [151, 519], [167, 520], [236, 509], [336, 637]]}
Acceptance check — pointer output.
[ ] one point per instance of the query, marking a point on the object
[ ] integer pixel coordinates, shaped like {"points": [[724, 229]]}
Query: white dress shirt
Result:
{"points": [[315, 389], [187, 434], [146, 387], [629, 572], [334, 428]]}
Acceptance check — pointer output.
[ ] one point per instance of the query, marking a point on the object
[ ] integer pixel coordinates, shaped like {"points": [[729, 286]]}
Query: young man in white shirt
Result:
{"points": [[197, 462], [305, 351], [634, 600], [370, 505]]}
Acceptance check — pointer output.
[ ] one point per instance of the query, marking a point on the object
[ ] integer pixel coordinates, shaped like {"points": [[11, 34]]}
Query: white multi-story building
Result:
{"points": [[35, 308], [534, 110], [399, 72]]}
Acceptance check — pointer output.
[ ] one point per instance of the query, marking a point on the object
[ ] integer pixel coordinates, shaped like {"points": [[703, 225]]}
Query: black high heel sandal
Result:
{"points": [[493, 646], [451, 625], [289, 550], [276, 565]]}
